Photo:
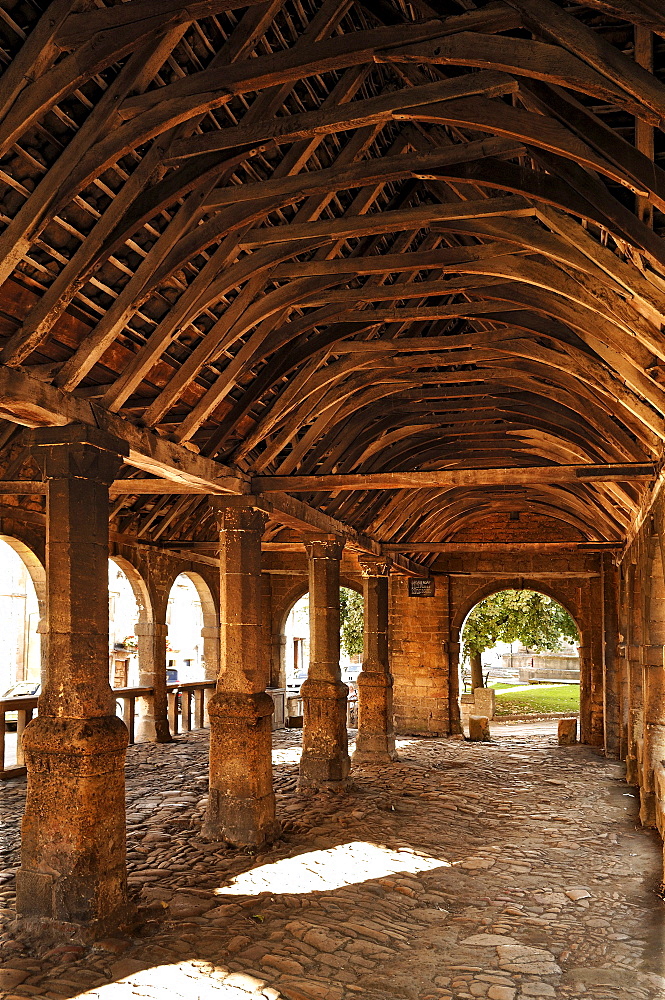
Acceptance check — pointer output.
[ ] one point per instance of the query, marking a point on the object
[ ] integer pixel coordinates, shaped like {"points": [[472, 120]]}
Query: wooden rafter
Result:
{"points": [[319, 249]]}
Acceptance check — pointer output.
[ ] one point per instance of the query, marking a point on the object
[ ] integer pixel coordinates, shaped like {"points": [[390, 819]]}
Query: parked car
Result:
{"points": [[22, 689]]}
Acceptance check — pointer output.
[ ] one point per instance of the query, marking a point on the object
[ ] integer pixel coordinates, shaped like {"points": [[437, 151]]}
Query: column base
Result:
{"points": [[241, 804], [647, 808], [374, 753], [73, 872], [632, 770], [148, 731], [325, 761], [375, 742]]}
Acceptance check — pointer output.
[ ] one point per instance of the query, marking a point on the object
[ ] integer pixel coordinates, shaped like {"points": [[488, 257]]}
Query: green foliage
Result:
{"points": [[523, 616], [351, 621]]}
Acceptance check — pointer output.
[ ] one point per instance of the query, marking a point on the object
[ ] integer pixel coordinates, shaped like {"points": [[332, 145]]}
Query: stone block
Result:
{"points": [[479, 728], [567, 732], [485, 702]]}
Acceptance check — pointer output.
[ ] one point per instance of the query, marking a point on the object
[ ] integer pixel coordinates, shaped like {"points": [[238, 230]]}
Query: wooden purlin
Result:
{"points": [[36, 405]]}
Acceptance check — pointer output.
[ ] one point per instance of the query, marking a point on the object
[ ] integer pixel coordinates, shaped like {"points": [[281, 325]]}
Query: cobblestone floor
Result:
{"points": [[512, 870]]}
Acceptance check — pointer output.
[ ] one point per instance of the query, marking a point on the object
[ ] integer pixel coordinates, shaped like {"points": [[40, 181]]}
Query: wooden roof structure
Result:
{"points": [[414, 248]]}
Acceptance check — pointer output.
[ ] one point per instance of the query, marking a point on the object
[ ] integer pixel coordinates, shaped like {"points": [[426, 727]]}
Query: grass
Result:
{"points": [[537, 699]]}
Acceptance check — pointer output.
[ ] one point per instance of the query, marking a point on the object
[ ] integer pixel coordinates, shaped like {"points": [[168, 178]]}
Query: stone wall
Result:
{"points": [[640, 665], [419, 629]]}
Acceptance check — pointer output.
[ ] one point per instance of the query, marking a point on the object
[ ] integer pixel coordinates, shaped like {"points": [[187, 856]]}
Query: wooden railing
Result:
{"points": [[186, 711], [25, 709], [190, 691], [128, 698]]}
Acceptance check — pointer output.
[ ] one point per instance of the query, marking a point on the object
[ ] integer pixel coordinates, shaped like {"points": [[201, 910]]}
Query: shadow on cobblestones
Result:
{"points": [[508, 870]]}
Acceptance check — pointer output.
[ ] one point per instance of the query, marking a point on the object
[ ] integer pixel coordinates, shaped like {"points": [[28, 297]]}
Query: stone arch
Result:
{"points": [[513, 583], [466, 605], [210, 614], [33, 564], [37, 573], [138, 585], [280, 616]]}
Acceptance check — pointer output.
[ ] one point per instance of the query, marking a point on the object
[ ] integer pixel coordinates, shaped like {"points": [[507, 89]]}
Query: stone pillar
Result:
{"points": [[585, 686], [635, 714], [654, 730], [596, 734], [153, 721], [325, 759], [72, 881], [611, 666], [278, 659], [210, 636], [375, 742], [241, 805]]}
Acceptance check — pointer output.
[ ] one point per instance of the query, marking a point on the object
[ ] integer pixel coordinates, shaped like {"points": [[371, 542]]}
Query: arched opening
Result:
{"points": [[294, 644], [127, 606], [22, 602], [193, 623], [519, 656]]}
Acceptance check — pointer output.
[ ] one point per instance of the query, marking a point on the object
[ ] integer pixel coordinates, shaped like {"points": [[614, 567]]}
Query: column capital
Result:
{"points": [[156, 629], [323, 546], [236, 518], [374, 565], [78, 451]]}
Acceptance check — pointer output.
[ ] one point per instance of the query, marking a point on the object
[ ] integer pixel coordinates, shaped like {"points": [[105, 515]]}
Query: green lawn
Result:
{"points": [[535, 699]]}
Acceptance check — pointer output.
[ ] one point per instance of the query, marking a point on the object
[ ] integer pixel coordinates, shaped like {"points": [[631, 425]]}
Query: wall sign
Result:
{"points": [[421, 586]]}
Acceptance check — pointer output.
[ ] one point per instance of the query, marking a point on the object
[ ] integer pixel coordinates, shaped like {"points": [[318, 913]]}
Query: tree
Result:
{"points": [[351, 621], [533, 619]]}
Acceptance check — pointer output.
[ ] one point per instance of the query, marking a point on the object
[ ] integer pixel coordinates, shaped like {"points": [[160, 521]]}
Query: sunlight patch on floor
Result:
{"points": [[333, 868], [286, 755], [195, 980]]}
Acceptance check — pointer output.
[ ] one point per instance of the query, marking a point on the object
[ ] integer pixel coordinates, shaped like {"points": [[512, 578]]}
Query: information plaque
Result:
{"points": [[421, 586]]}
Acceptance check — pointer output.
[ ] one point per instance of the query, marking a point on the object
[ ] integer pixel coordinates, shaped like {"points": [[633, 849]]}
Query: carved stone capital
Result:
{"points": [[323, 548], [77, 451], [238, 518], [374, 565]]}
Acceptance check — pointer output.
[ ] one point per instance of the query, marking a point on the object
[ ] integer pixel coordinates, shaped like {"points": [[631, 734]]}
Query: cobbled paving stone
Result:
{"points": [[511, 870]]}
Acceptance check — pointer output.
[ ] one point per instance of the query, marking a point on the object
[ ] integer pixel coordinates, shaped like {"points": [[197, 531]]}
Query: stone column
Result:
{"points": [[210, 636], [278, 640], [72, 881], [611, 671], [325, 759], [597, 642], [241, 805], [375, 742], [635, 713], [585, 686], [153, 721], [654, 730]]}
